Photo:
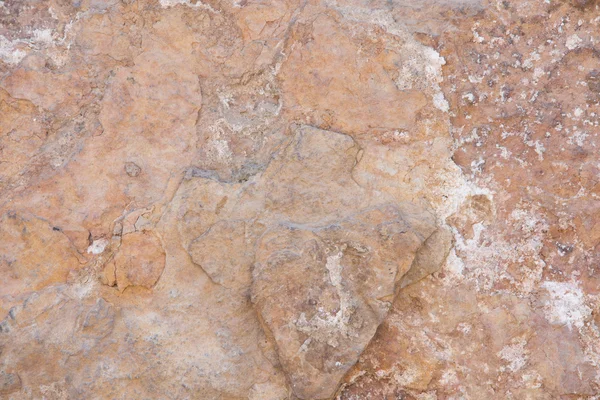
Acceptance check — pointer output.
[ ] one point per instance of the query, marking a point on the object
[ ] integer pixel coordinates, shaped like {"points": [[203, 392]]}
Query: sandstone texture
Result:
{"points": [[300, 199]]}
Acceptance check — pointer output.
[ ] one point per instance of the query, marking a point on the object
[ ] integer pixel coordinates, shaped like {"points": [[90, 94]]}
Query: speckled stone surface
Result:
{"points": [[308, 199]]}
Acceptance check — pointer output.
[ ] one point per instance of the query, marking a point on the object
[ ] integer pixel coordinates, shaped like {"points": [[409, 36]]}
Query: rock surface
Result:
{"points": [[309, 199]]}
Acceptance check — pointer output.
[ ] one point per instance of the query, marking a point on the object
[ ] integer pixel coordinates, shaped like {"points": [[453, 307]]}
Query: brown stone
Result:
{"points": [[322, 292], [211, 199], [9, 383], [139, 261]]}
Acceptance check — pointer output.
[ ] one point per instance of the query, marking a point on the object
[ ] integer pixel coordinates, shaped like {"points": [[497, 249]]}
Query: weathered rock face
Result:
{"points": [[321, 256], [309, 199], [322, 292]]}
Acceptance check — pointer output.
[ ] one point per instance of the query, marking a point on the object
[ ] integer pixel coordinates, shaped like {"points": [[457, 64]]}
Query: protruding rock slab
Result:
{"points": [[322, 292], [321, 254]]}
